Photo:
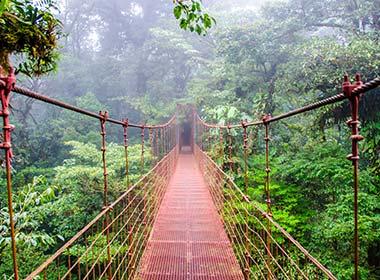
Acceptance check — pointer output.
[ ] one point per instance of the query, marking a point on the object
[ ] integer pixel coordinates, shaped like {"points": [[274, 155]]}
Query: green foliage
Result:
{"points": [[318, 171], [81, 178], [29, 28], [371, 146], [138, 65], [32, 238], [98, 251], [49, 212], [316, 68], [324, 180], [335, 231], [192, 17], [27, 202], [85, 167]]}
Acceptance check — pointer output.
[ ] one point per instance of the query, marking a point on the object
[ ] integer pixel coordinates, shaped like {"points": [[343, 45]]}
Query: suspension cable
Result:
{"points": [[58, 103], [357, 91]]}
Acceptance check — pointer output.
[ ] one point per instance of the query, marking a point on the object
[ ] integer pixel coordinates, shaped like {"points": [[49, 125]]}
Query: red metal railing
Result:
{"points": [[111, 245], [255, 235], [251, 229]]}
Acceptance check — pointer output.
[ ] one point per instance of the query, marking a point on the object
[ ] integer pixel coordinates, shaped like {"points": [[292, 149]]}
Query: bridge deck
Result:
{"points": [[188, 240]]}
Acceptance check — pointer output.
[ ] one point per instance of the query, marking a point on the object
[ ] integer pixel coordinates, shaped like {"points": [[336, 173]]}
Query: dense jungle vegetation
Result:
{"points": [[137, 59]]}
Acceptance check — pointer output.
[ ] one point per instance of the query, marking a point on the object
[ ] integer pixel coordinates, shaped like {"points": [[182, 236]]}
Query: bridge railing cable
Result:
{"points": [[261, 245], [38, 96], [111, 245], [350, 92], [263, 248], [89, 255]]}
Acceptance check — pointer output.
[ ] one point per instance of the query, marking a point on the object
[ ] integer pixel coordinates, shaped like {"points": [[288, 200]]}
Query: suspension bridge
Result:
{"points": [[185, 218]]}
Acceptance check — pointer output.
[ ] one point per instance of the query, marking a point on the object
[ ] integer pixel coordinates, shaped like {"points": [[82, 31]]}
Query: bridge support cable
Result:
{"points": [[38, 96], [350, 92], [357, 91], [111, 245]]}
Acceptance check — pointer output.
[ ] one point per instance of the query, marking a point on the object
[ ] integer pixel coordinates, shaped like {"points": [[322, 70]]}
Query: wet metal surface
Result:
{"points": [[188, 240]]}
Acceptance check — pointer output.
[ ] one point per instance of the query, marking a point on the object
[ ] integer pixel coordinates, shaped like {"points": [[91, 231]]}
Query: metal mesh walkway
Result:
{"points": [[188, 240]]}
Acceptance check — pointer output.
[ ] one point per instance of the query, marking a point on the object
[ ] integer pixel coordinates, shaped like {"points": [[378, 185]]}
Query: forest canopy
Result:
{"points": [[139, 59]]}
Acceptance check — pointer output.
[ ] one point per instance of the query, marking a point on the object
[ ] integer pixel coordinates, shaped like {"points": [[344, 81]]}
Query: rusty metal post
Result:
{"points": [[7, 83], [208, 140], [201, 136], [151, 145], [167, 139], [156, 145], [199, 133], [126, 142], [354, 157], [221, 143], [164, 141], [266, 120], [229, 147], [221, 189], [103, 120], [245, 156], [171, 137], [129, 228], [161, 143], [142, 167], [194, 129]]}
